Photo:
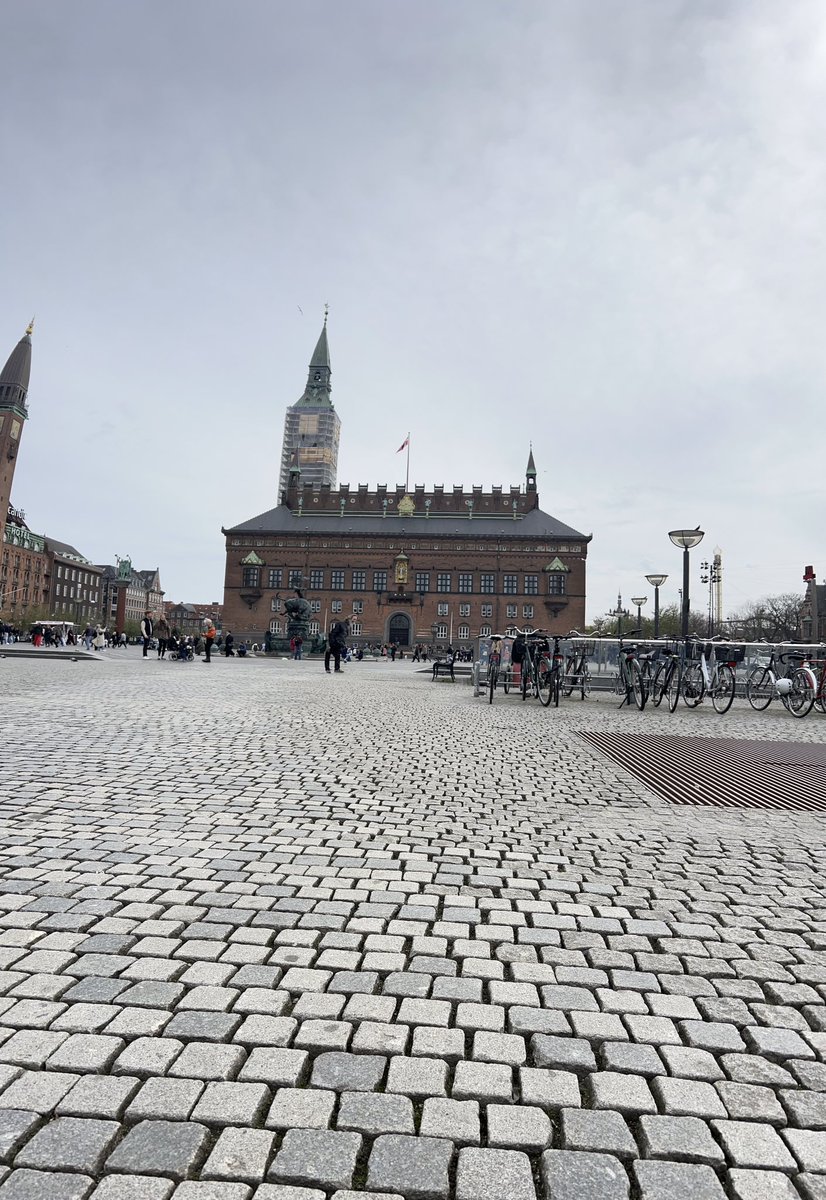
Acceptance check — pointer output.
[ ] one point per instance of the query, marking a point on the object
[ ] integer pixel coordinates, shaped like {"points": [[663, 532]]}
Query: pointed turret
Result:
{"points": [[14, 378], [318, 389], [309, 452], [530, 473]]}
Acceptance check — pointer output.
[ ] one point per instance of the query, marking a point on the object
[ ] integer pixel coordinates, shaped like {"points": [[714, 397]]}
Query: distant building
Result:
{"points": [[127, 594], [437, 567], [813, 609], [312, 427], [75, 588], [189, 618], [24, 584]]}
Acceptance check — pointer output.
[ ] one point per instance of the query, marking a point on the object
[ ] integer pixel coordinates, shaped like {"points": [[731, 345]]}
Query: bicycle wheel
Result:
{"points": [[493, 674], [556, 687], [694, 685], [638, 684], [570, 681], [585, 683], [544, 682], [802, 696], [506, 680], [722, 690], [760, 688], [673, 685], [527, 681], [658, 686]]}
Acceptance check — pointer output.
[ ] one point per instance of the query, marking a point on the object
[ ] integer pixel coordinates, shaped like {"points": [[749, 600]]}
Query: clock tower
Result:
{"points": [[312, 427], [14, 387]]}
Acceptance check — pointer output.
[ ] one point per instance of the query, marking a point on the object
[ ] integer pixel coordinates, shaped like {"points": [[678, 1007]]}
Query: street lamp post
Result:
{"points": [[639, 601], [712, 573], [656, 582], [685, 540]]}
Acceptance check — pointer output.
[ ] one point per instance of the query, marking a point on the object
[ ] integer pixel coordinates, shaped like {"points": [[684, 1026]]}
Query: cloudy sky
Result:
{"points": [[596, 225]]}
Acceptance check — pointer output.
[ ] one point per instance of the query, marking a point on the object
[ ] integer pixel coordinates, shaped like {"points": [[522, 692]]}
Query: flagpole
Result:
{"points": [[407, 472]]}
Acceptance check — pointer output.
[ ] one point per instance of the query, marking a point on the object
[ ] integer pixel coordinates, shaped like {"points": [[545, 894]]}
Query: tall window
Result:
{"points": [[335, 606], [359, 581], [465, 581], [531, 585], [443, 581], [463, 633], [556, 584], [487, 610], [484, 630], [315, 606], [337, 581], [275, 626], [527, 611], [314, 628], [355, 628], [316, 580], [487, 583], [510, 611], [379, 581], [464, 610], [358, 606], [510, 584], [296, 575], [442, 610], [422, 581], [441, 631], [250, 578], [275, 605]]}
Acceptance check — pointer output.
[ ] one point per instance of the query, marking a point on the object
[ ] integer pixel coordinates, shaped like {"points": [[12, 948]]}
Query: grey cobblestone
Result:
{"points": [[317, 1157], [509, 1168], [415, 1167], [25, 1184], [673, 1181], [574, 1175]]}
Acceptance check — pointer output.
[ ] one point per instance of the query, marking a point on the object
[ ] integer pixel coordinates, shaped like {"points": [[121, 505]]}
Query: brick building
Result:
{"points": [[441, 566], [127, 594], [189, 618], [74, 584], [813, 609]]}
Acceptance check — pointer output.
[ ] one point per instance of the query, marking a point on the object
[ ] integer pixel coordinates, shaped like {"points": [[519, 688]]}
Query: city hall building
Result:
{"points": [[404, 566]]}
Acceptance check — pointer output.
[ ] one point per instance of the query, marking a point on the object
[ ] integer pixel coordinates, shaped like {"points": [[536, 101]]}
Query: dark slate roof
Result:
{"points": [[19, 364], [66, 550], [535, 523]]}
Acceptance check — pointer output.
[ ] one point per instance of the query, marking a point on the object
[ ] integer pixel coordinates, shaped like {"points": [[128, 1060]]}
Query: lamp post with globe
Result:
{"points": [[686, 540], [656, 582], [639, 601]]}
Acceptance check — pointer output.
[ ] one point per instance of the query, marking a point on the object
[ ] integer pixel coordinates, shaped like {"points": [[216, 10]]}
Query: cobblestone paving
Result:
{"points": [[266, 934]]}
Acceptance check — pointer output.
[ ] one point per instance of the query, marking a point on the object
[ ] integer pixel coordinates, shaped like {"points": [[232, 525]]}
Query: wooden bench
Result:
{"points": [[443, 666]]}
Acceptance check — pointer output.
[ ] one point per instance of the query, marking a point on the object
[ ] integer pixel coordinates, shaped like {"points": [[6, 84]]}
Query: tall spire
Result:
{"points": [[530, 473], [318, 389], [14, 378]]}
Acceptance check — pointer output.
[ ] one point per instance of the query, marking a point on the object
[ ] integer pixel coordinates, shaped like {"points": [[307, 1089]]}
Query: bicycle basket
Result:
{"points": [[729, 653], [586, 648]]}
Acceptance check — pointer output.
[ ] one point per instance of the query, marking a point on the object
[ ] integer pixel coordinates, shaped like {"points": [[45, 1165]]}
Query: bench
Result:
{"points": [[443, 666]]}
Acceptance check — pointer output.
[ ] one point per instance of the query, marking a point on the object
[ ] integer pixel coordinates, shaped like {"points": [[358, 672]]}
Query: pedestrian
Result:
{"points": [[298, 646], [336, 644], [209, 638], [229, 642], [162, 634], [146, 631]]}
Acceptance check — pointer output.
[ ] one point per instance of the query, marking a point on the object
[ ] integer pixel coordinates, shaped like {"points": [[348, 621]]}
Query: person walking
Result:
{"points": [[336, 644], [229, 642], [209, 638], [162, 634], [146, 631]]}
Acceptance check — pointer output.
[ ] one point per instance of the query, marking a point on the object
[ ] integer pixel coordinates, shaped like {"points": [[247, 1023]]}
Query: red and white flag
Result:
{"points": [[406, 442]]}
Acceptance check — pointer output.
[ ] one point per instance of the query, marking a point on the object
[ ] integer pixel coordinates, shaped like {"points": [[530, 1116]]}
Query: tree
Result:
{"points": [[772, 619]]}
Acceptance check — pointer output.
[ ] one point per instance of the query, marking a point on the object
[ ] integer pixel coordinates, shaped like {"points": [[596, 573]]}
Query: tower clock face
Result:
{"points": [[15, 429], [317, 376]]}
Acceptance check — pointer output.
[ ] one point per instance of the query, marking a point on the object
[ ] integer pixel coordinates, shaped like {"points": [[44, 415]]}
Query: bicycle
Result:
{"points": [[796, 686], [707, 674], [629, 680], [535, 645], [667, 678], [577, 672], [496, 670], [549, 675], [818, 664]]}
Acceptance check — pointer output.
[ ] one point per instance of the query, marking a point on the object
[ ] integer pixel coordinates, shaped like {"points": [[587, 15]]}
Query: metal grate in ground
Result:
{"points": [[722, 772]]}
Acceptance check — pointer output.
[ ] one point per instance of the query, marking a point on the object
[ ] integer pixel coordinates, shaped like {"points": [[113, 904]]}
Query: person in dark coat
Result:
{"points": [[336, 643]]}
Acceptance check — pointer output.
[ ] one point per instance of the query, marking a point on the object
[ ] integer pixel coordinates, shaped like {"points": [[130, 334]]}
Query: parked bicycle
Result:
{"points": [[549, 674], [710, 670], [498, 673], [629, 682], [529, 650], [667, 678], [577, 675], [784, 677]]}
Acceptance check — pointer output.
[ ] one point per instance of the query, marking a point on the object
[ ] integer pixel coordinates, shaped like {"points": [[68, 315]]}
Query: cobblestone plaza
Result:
{"points": [[266, 934]]}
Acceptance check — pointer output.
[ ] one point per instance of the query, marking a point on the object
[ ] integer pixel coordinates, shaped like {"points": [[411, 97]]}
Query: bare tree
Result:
{"points": [[772, 619]]}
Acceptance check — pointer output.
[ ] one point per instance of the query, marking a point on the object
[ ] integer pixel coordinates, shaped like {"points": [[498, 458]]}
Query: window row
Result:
{"points": [[465, 581]]}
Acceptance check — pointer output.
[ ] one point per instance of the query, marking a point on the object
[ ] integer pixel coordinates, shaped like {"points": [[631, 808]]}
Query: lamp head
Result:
{"points": [[639, 600], [687, 539], [656, 580]]}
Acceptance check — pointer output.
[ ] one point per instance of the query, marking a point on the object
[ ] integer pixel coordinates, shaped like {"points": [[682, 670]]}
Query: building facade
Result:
{"points": [[75, 590], [127, 594], [24, 584], [440, 567], [813, 609], [312, 427], [188, 619]]}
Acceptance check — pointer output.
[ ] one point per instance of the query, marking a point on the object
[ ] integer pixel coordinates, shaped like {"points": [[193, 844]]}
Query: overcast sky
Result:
{"points": [[591, 224]]}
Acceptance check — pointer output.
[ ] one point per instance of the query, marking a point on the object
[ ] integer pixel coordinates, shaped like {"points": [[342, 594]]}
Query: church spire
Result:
{"points": [[318, 389], [530, 473], [14, 378]]}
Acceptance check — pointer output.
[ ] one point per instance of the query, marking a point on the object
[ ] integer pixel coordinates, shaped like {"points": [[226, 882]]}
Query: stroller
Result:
{"points": [[180, 650]]}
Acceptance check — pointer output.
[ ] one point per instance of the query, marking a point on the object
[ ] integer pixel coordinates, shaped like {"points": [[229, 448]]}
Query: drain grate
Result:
{"points": [[721, 772]]}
